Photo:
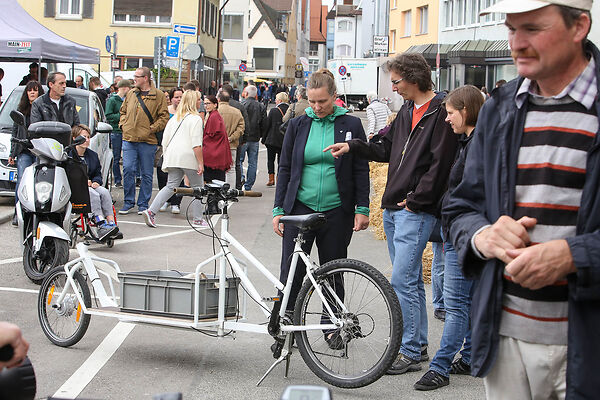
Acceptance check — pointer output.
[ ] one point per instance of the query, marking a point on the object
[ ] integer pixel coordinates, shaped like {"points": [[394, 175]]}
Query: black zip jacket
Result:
{"points": [[420, 159], [42, 109], [257, 115]]}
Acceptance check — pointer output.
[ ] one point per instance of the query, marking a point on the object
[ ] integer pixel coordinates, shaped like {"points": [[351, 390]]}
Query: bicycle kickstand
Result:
{"points": [[285, 356]]}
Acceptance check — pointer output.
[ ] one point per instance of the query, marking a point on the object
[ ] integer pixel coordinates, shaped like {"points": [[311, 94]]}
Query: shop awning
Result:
{"points": [[498, 49], [418, 48], [469, 51]]}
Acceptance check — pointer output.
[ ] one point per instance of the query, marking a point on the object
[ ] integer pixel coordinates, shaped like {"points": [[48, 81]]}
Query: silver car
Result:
{"points": [[90, 113]]}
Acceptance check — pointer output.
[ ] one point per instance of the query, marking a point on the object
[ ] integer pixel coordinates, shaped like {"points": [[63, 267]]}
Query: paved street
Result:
{"points": [[153, 360]]}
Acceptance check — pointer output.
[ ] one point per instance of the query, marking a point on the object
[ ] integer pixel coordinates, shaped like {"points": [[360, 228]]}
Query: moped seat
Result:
{"points": [[304, 222]]}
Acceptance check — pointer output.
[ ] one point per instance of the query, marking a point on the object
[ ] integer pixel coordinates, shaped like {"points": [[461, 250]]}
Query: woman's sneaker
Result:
{"points": [[175, 209], [149, 217], [432, 380], [199, 223]]}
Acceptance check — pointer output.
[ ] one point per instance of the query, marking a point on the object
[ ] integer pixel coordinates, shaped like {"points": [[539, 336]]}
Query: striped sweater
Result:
{"points": [[377, 114], [550, 177]]}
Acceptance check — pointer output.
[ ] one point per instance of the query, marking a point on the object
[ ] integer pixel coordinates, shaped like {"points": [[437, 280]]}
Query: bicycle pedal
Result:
{"points": [[271, 299], [277, 347]]}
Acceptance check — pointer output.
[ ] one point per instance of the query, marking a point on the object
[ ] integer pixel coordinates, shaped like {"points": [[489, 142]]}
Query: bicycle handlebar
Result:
{"points": [[229, 193], [6, 352]]}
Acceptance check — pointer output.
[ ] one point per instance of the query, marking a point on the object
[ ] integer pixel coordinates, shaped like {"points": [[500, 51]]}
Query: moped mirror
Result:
{"points": [[78, 140], [103, 127], [17, 117]]}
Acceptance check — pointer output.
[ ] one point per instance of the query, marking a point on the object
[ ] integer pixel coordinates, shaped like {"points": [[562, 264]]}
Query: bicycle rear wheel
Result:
{"points": [[364, 348], [65, 323]]}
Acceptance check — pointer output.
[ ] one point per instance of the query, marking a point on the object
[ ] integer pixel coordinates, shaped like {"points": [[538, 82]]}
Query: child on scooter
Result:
{"points": [[100, 198]]}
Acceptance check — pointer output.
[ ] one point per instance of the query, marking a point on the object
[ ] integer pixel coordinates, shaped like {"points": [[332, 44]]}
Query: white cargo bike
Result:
{"points": [[347, 320]]}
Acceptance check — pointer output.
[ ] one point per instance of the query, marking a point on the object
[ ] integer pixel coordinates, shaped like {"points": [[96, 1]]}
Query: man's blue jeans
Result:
{"points": [[458, 292], [24, 160], [134, 153], [116, 140], [437, 275], [252, 149], [407, 234]]}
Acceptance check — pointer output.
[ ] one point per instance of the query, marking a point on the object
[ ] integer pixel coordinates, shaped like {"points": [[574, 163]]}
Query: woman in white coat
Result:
{"points": [[182, 155]]}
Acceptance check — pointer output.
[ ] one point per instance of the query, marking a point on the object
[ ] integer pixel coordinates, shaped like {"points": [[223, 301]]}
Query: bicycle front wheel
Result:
{"points": [[65, 323], [363, 349]]}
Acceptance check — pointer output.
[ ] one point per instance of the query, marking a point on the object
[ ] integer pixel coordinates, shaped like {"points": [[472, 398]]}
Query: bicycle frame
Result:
{"points": [[221, 324]]}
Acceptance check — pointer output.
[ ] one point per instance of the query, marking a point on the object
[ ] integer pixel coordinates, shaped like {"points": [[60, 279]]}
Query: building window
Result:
{"points": [[329, 53], [461, 11], [448, 13], [344, 50], [406, 19], [393, 41], [313, 64], [232, 27], [153, 12], [313, 50], [423, 19], [345, 26], [474, 17], [395, 4], [69, 8], [263, 58]]}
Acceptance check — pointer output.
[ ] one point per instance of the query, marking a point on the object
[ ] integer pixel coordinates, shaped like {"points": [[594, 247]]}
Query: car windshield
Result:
{"points": [[12, 102]]}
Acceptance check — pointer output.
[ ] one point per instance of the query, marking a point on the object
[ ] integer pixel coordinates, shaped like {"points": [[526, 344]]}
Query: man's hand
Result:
{"points": [[200, 171], [11, 161], [361, 222], [505, 234], [277, 227], [11, 334], [95, 185], [540, 265], [337, 149], [403, 204]]}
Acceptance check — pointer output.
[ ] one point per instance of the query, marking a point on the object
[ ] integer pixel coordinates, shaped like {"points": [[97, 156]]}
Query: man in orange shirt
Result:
{"points": [[420, 148]]}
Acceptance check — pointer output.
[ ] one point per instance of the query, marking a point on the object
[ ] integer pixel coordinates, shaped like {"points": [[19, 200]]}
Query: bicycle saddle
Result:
{"points": [[304, 222]]}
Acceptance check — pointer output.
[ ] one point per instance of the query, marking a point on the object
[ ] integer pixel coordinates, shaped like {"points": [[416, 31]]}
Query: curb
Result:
{"points": [[5, 216]]}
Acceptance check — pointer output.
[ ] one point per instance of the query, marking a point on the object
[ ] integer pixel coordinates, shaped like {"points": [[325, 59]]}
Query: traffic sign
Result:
{"points": [[108, 43], [185, 29], [298, 74], [172, 46], [299, 67], [243, 67], [342, 70]]}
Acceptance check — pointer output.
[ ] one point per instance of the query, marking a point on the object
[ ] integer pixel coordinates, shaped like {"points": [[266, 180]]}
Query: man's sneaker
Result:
{"points": [[459, 367], [106, 230], [118, 185], [199, 223], [125, 210], [164, 207], [432, 380], [403, 364], [15, 220], [138, 182], [440, 314], [175, 209], [141, 210], [424, 355], [149, 218]]}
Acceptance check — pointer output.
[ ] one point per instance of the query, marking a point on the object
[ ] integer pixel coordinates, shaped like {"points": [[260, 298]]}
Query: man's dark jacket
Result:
{"points": [[421, 176], [257, 114], [487, 192], [236, 104], [351, 172], [42, 109]]}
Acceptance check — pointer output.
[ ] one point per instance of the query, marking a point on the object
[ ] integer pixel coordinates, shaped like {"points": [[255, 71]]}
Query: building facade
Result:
{"points": [[413, 22], [317, 54], [136, 23]]}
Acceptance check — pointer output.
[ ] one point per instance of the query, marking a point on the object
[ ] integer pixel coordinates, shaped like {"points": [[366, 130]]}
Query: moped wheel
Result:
{"points": [[110, 243], [53, 252], [65, 323], [364, 347]]}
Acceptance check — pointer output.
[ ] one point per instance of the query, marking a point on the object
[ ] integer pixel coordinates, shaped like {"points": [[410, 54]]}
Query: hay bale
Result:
{"points": [[378, 175]]}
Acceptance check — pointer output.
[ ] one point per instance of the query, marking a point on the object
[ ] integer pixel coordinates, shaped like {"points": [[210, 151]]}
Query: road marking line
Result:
{"points": [[10, 289], [162, 235], [11, 260], [88, 370], [161, 225]]}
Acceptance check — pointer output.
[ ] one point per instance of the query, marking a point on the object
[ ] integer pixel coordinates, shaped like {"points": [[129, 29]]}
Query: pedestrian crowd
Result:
{"points": [[505, 185]]}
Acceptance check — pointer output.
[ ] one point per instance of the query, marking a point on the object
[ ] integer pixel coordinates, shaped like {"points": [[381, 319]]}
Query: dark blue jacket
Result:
{"points": [[351, 172], [487, 191], [94, 168]]}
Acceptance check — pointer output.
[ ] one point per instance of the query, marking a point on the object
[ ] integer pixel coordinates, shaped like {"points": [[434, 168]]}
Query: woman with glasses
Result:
{"points": [[217, 156]]}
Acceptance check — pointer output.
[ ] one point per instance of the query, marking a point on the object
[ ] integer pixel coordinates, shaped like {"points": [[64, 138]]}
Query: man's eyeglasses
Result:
{"points": [[397, 81], [138, 76]]}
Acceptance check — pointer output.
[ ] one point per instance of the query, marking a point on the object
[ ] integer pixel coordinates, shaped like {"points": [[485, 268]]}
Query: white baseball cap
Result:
{"points": [[521, 6]]}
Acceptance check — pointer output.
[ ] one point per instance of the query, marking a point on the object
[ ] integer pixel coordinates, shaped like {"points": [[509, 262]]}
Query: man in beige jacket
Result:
{"points": [[234, 124], [142, 126]]}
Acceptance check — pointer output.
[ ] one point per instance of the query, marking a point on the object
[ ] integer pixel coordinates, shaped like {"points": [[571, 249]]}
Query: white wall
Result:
{"points": [[237, 50], [594, 34], [263, 38]]}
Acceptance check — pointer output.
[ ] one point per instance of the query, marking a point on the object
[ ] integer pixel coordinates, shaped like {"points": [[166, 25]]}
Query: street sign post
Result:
{"points": [[243, 67], [112, 49], [185, 29], [342, 70], [380, 44], [107, 43]]}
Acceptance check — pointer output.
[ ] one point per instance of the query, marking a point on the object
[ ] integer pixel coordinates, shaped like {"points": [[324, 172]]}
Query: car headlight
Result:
{"points": [[43, 190]]}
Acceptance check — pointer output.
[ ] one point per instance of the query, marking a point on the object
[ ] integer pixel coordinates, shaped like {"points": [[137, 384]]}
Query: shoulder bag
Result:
{"points": [[283, 127]]}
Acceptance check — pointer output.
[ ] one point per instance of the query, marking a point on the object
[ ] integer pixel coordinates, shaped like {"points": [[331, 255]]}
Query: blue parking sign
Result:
{"points": [[172, 46]]}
